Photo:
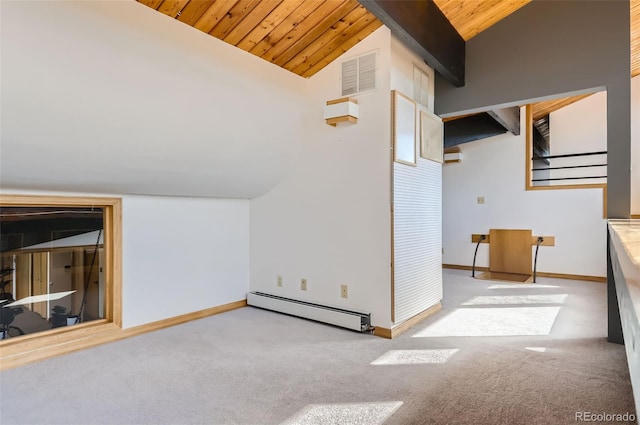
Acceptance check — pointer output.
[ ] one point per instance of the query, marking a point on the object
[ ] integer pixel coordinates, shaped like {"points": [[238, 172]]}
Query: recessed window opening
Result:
{"points": [[51, 267], [60, 270]]}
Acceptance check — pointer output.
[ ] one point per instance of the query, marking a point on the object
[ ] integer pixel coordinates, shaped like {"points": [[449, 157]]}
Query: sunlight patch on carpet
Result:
{"points": [[405, 357], [518, 299], [344, 413], [503, 321], [537, 349], [520, 286]]}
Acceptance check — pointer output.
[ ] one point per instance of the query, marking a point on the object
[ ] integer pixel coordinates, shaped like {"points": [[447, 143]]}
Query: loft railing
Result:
{"points": [[563, 168]]}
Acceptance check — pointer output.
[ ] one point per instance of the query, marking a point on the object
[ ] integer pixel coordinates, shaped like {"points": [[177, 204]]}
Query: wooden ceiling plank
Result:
{"points": [[291, 33], [281, 30], [308, 30], [328, 47], [251, 21], [540, 109], [472, 17], [336, 34], [154, 4], [235, 15], [274, 19], [365, 32], [172, 7], [214, 14], [194, 10]]}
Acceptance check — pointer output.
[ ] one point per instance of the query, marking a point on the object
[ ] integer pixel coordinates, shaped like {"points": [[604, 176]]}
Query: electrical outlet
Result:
{"points": [[303, 284], [279, 280], [344, 291], [480, 200]]}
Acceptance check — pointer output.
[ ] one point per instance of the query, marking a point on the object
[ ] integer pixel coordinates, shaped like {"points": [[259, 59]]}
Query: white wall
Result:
{"points": [[114, 97], [494, 168], [329, 220], [180, 254], [635, 145], [402, 61], [579, 128], [417, 208]]}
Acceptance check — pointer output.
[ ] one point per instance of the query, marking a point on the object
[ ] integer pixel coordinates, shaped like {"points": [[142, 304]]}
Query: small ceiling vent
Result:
{"points": [[359, 74]]}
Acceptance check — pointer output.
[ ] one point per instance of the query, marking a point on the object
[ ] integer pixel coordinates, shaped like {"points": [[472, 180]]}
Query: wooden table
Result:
{"points": [[510, 256]]}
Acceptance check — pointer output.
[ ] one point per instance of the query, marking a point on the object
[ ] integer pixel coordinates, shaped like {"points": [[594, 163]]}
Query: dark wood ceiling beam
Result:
{"points": [[509, 118], [426, 31], [471, 128]]}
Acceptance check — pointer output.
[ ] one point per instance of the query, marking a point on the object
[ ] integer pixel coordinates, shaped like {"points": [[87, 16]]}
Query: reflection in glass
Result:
{"points": [[51, 262]]}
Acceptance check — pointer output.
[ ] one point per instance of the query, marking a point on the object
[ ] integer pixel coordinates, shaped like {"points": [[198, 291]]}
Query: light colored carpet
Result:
{"points": [[496, 354]]}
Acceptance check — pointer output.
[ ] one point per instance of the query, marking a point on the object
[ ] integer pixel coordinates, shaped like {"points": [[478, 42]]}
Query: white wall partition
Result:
{"points": [[417, 237], [329, 220], [417, 209], [182, 255], [493, 168]]}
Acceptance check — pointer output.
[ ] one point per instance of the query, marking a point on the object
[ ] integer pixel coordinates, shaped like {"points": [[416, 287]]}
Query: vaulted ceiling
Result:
{"points": [[301, 36], [471, 17], [304, 36]]}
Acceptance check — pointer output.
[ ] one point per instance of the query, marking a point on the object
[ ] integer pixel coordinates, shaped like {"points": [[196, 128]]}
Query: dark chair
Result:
{"points": [[8, 314], [59, 316]]}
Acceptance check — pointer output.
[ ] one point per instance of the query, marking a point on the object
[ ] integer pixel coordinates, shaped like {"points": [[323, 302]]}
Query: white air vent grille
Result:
{"points": [[350, 77], [367, 72], [359, 74]]}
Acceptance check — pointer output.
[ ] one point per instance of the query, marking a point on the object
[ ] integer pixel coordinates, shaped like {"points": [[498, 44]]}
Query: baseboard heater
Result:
{"points": [[355, 320]]}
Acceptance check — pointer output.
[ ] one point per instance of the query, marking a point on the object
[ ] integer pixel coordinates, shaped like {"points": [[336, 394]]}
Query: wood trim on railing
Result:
{"points": [[528, 147]]}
